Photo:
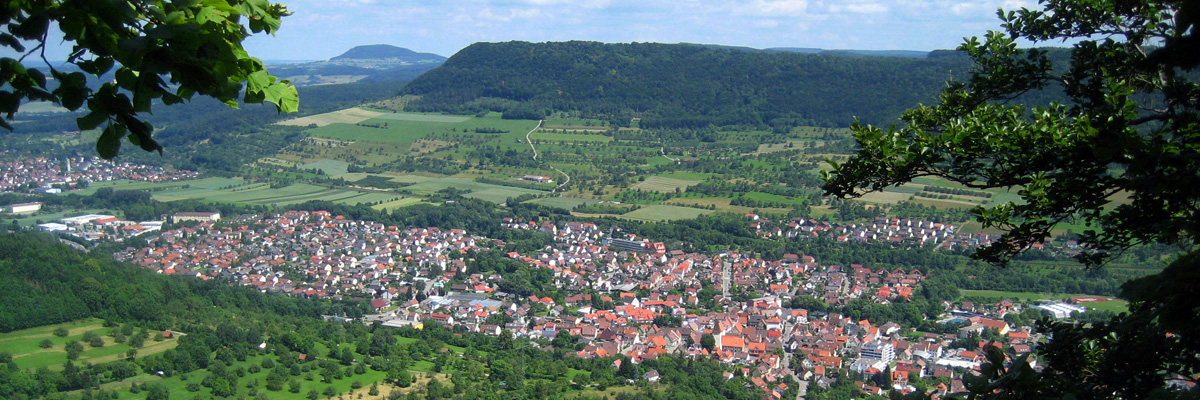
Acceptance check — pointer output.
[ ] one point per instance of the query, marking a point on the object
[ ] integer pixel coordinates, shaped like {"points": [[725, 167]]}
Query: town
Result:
{"points": [[40, 174], [625, 295]]}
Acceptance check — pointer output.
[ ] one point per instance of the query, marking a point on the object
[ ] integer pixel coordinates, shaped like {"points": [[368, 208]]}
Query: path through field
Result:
{"points": [[535, 156]]}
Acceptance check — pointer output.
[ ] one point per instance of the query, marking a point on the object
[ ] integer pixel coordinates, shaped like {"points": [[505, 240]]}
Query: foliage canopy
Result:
{"points": [[161, 50], [1130, 130]]}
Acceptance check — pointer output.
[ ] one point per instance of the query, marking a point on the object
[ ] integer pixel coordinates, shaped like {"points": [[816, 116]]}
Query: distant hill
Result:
{"points": [[683, 85], [388, 52], [371, 63]]}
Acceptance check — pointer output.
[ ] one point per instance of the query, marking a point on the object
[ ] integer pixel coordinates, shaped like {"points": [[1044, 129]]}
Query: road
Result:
{"points": [[566, 178]]}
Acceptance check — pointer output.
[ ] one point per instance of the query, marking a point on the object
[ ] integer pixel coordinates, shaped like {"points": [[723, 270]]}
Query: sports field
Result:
{"points": [[665, 213]]}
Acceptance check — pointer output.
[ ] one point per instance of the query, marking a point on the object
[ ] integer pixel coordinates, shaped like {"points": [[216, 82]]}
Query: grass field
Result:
{"points": [[687, 175], [402, 202], [329, 167], [722, 204], [569, 137], [422, 117], [885, 197], [665, 213], [412, 178], [566, 203], [356, 133], [501, 194], [663, 184], [24, 345], [239, 191], [434, 185], [347, 116]]}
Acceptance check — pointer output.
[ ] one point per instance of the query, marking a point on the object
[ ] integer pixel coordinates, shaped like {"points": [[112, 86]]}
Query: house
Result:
{"points": [[538, 178]]}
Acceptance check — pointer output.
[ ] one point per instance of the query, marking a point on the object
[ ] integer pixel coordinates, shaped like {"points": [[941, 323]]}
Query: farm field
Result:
{"points": [[347, 116], [239, 191], [665, 213], [663, 184]]}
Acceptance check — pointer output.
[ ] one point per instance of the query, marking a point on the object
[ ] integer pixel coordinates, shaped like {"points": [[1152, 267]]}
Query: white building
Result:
{"points": [[21, 208], [878, 350], [196, 216]]}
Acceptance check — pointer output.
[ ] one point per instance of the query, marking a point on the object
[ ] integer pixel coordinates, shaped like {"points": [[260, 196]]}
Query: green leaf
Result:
{"points": [[10, 41], [91, 120], [38, 77], [9, 102], [109, 143], [284, 96]]}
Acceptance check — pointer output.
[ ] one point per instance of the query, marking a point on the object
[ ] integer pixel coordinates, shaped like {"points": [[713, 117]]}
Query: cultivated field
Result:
{"points": [[665, 213], [239, 191], [663, 185], [347, 116]]}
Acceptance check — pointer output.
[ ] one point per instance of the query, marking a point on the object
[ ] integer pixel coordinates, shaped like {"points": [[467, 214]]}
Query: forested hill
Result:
{"points": [[682, 85]]}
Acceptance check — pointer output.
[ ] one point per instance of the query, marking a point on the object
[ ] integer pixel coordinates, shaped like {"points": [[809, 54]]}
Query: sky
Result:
{"points": [[321, 29]]}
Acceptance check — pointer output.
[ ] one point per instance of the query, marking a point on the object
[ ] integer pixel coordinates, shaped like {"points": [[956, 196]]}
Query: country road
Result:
{"points": [[566, 178]]}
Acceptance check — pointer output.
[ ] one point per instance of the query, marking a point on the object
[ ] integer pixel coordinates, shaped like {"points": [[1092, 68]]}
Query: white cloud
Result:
{"points": [[508, 15], [868, 8], [587, 4], [767, 23], [789, 8]]}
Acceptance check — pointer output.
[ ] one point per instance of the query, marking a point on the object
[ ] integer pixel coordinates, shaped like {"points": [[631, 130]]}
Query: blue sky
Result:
{"points": [[320, 29]]}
